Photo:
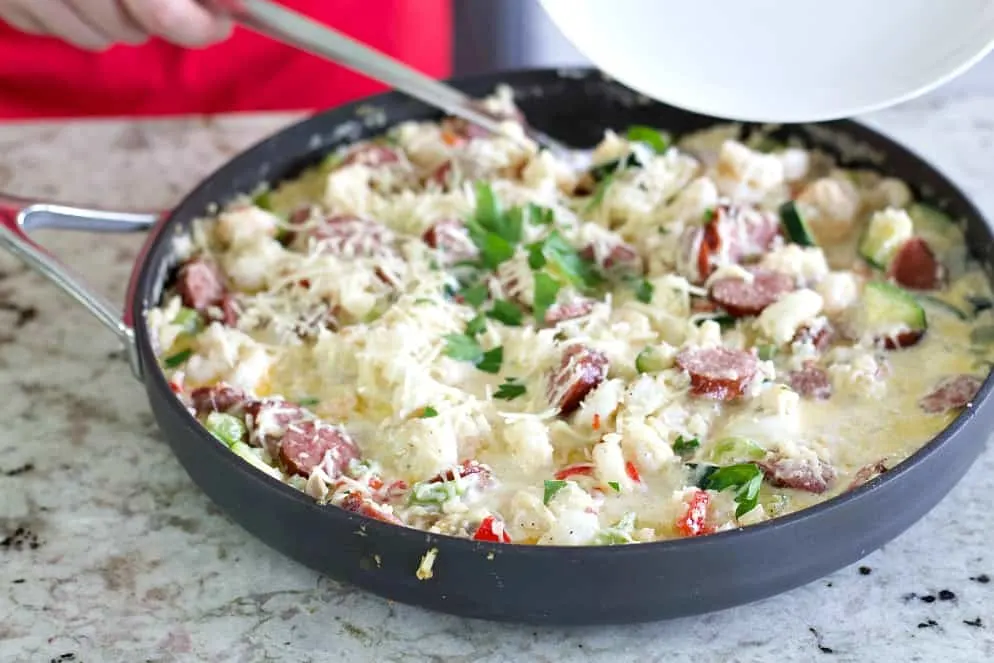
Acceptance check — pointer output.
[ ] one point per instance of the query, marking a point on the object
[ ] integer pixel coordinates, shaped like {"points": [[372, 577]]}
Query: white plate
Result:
{"points": [[779, 60]]}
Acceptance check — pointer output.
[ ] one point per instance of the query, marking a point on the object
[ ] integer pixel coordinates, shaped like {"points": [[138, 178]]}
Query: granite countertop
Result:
{"points": [[109, 553]]}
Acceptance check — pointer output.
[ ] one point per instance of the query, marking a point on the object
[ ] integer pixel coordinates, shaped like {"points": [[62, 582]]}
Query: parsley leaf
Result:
{"points": [[598, 196], [428, 412], [475, 295], [476, 326], [491, 360], [546, 291], [506, 312], [643, 291], [487, 208], [684, 445], [463, 348], [630, 160], [308, 401], [494, 250], [615, 485], [510, 390], [552, 486], [563, 261], [175, 360], [540, 216], [746, 478], [659, 141]]}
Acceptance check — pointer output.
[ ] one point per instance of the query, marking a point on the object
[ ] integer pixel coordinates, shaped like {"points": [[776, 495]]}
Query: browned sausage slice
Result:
{"points": [[951, 393], [813, 476], [621, 259], [218, 398], [741, 298], [371, 155], [811, 382], [718, 373], [451, 238], [268, 419], [356, 503], [308, 444], [200, 284], [349, 236], [915, 266], [464, 469], [579, 373], [568, 310], [867, 473]]}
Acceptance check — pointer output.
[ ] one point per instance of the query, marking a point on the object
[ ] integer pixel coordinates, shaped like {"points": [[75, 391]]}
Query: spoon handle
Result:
{"points": [[289, 27]]}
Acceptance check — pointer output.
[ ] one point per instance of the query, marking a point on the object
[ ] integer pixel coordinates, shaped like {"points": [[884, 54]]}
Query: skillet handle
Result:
{"points": [[19, 216]]}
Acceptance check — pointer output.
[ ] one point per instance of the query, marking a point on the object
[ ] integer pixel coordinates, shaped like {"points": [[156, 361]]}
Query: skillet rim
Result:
{"points": [[154, 254]]}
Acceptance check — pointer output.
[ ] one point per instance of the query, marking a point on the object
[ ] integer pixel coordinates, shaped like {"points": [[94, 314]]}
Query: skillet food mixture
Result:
{"points": [[445, 330]]}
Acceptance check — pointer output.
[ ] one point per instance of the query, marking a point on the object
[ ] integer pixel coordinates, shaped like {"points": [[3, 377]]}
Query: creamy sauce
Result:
{"points": [[336, 293]]}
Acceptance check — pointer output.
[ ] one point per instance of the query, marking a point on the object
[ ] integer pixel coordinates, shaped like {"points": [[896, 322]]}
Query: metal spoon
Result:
{"points": [[287, 26]]}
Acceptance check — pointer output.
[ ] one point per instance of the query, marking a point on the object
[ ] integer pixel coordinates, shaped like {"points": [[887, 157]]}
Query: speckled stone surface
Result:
{"points": [[109, 553]]}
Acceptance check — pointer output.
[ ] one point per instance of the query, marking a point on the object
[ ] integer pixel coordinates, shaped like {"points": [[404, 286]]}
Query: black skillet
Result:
{"points": [[552, 585]]}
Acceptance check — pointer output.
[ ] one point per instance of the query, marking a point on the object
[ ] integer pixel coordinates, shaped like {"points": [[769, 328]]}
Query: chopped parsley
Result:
{"points": [[745, 478], [766, 351], [546, 291], [491, 360], [643, 291], [428, 412], [598, 196], [307, 401], [563, 261], [463, 348], [175, 360], [493, 231], [475, 295], [188, 319], [476, 326], [506, 312], [659, 141], [264, 201], [684, 445], [615, 485], [552, 486], [509, 390], [631, 160], [540, 216]]}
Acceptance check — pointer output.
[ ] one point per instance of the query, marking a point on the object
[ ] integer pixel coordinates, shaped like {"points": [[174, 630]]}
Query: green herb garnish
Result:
{"points": [[264, 201], [745, 478], [599, 191], [546, 292], [506, 312], [659, 141], [562, 261], [643, 291], [428, 412], [630, 160], [475, 295], [540, 216], [509, 390], [767, 352], [477, 325], [552, 486], [491, 360], [463, 348], [175, 360], [188, 319], [685, 445], [615, 485], [308, 401]]}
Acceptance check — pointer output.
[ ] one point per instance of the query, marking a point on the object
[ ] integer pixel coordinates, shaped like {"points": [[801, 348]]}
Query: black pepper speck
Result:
{"points": [[946, 595], [928, 598], [865, 570], [973, 622], [928, 624], [27, 467], [983, 578], [18, 581]]}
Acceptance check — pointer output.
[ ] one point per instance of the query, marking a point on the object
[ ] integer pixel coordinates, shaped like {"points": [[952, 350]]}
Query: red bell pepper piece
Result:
{"points": [[632, 472], [487, 532], [694, 520], [579, 469]]}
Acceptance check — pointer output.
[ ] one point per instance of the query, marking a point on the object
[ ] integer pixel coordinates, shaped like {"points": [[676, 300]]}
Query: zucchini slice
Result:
{"points": [[892, 315], [795, 226]]}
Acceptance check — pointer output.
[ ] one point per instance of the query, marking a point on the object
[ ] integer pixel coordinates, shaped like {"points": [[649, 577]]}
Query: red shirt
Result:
{"points": [[44, 77]]}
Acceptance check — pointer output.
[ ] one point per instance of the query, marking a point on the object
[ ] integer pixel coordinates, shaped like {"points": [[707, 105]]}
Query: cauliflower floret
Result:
{"points": [[889, 192], [160, 324], [423, 144], [839, 291], [691, 202], [645, 444], [860, 377], [780, 321], [609, 462], [805, 263], [252, 263], [421, 448], [576, 521], [546, 173], [778, 399], [602, 403], [647, 394], [228, 355], [745, 175], [705, 335], [796, 163], [242, 225], [347, 190], [527, 517], [527, 443], [830, 205]]}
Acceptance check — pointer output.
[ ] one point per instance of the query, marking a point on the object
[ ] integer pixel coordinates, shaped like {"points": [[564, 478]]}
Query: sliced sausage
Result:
{"points": [[620, 259], [218, 398], [741, 298], [579, 373], [903, 339], [464, 469], [308, 444], [951, 393], [569, 310], [915, 266], [441, 176], [229, 310], [811, 475], [357, 503], [452, 239], [730, 235], [268, 419], [371, 155], [349, 236], [811, 382], [867, 473], [200, 284], [709, 248], [461, 127], [718, 373]]}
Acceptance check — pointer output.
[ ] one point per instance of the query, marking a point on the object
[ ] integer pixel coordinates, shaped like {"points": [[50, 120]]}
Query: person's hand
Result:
{"points": [[98, 24]]}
